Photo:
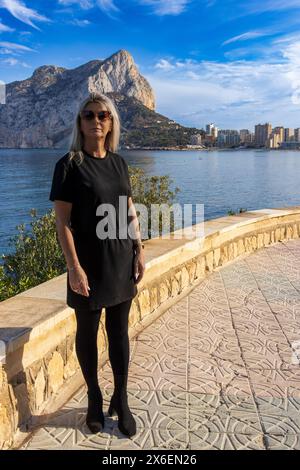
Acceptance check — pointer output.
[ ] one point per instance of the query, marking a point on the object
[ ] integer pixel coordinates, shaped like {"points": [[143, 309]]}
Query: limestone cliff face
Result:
{"points": [[40, 111]]}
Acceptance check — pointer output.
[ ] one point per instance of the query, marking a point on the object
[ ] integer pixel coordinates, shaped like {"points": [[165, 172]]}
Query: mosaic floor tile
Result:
{"points": [[283, 442], [218, 370], [206, 440]]}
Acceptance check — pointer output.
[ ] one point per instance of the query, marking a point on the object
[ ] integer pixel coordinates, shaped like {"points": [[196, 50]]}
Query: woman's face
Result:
{"points": [[95, 128]]}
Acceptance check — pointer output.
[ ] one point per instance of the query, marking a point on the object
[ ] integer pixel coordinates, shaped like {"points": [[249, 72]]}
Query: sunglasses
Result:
{"points": [[90, 115]]}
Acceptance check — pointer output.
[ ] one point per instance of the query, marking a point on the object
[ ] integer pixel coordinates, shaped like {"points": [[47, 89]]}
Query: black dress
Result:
{"points": [[108, 262]]}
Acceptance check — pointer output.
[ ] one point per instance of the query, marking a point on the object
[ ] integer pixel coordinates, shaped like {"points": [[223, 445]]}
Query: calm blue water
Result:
{"points": [[221, 180]]}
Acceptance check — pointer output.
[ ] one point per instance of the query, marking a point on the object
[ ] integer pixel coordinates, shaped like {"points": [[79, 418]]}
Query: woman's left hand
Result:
{"points": [[139, 264]]}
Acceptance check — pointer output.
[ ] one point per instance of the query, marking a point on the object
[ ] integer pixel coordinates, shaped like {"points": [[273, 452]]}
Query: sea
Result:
{"points": [[220, 180]]}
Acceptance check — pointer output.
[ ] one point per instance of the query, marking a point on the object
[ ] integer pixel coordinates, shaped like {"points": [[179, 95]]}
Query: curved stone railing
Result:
{"points": [[40, 371]]}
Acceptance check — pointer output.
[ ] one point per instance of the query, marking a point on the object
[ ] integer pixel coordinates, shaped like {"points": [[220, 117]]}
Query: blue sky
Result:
{"points": [[234, 63]]}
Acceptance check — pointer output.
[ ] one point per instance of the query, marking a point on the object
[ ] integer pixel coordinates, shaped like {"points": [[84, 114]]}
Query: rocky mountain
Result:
{"points": [[39, 112]]}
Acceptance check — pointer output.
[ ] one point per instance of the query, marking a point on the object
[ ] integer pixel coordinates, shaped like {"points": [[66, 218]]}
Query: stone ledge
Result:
{"points": [[38, 328]]}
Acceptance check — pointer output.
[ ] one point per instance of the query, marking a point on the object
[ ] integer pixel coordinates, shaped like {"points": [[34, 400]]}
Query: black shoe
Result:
{"points": [[126, 422], [95, 416]]}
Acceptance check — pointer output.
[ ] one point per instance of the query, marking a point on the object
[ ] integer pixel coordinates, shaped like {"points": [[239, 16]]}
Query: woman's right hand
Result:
{"points": [[78, 281]]}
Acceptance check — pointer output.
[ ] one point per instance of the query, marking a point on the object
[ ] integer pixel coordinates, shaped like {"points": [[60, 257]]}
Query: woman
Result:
{"points": [[103, 267]]}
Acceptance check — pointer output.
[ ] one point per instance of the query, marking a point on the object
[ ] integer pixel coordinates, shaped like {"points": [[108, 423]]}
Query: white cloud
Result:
{"points": [[166, 7], [164, 65], [4, 28], [13, 47], [257, 6], [84, 4], [180, 64], [248, 35], [243, 8], [107, 6], [11, 61], [193, 75], [19, 10], [234, 94], [287, 39], [158, 7], [80, 23], [25, 33], [4, 51], [292, 54]]}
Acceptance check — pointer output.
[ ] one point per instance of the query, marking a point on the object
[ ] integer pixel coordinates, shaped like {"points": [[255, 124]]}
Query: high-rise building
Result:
{"points": [[228, 137], [288, 134], [214, 132], [209, 128], [297, 134], [262, 133], [244, 135], [279, 130], [274, 141], [276, 137]]}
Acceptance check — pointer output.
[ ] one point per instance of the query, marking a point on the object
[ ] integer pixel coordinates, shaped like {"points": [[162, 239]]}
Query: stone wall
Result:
{"points": [[40, 371]]}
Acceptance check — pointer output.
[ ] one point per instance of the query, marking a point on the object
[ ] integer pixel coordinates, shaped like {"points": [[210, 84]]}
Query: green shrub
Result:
{"points": [[231, 212], [151, 190], [37, 256]]}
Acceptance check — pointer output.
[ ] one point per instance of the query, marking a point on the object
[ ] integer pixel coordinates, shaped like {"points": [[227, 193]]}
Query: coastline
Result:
{"points": [[211, 149]]}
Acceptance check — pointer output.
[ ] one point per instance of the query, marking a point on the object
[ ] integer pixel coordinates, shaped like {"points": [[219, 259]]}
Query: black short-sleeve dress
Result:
{"points": [[107, 259]]}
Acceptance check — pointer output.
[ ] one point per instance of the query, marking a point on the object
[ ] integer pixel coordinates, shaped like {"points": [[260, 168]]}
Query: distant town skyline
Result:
{"points": [[232, 62], [264, 135], [249, 129]]}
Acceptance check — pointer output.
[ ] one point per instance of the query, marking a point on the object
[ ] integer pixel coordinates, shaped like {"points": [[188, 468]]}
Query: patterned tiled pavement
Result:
{"points": [[218, 370]]}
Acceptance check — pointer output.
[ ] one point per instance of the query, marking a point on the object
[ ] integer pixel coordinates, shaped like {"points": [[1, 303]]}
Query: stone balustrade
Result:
{"points": [[39, 370]]}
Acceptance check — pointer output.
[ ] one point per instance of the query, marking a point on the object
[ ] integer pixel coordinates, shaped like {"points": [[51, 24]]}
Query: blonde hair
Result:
{"points": [[112, 137]]}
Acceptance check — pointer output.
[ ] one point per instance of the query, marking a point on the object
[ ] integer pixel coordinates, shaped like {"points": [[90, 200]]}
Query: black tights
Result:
{"points": [[116, 324]]}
